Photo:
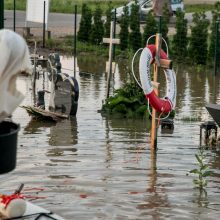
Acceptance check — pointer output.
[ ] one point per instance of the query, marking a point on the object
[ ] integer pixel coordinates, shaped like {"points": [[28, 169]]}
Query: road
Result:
{"points": [[54, 20], [58, 20]]}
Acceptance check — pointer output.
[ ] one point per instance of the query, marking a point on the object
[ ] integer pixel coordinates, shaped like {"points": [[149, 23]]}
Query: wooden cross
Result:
{"points": [[110, 41]]}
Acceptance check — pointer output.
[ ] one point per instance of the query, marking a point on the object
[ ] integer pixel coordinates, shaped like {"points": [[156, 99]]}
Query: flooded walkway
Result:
{"points": [[91, 167]]}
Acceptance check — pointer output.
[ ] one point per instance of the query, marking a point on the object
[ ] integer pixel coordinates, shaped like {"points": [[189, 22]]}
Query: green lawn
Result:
{"points": [[198, 8], [67, 6]]}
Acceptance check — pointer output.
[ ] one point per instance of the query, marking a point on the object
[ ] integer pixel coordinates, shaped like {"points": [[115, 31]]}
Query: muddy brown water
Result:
{"points": [[92, 167]]}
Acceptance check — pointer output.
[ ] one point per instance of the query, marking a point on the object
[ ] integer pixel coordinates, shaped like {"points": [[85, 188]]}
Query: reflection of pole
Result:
{"points": [[1, 14], [216, 46], [34, 74], [14, 15], [153, 169], [155, 79], [75, 41], [44, 25]]}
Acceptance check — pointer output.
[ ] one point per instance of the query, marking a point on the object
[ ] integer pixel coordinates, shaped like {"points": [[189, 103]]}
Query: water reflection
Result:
{"points": [[156, 195], [62, 137], [64, 133], [35, 126], [102, 168], [91, 64], [201, 198]]}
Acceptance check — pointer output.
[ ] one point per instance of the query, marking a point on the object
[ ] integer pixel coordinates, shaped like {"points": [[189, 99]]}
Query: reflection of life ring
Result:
{"points": [[159, 104]]}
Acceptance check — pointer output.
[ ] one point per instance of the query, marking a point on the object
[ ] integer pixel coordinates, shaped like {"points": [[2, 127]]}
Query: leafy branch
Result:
{"points": [[202, 172]]}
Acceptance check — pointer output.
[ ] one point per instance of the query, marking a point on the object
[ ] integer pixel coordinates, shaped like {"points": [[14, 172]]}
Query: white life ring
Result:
{"points": [[166, 104]]}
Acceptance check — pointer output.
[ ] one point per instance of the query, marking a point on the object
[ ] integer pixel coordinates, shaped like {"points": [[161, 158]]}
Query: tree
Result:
{"points": [[108, 20], [158, 6], [164, 25], [150, 28], [215, 18], [124, 32], [180, 40], [198, 47], [85, 24], [135, 34], [97, 31]]}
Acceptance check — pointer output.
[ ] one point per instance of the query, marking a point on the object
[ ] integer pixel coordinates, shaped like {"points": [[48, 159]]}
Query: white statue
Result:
{"points": [[14, 59]]}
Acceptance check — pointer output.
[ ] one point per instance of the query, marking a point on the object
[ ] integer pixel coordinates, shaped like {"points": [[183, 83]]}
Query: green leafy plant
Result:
{"points": [[128, 102], [202, 172]]}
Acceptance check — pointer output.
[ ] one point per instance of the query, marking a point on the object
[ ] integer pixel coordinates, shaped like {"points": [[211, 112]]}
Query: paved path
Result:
{"points": [[59, 24]]}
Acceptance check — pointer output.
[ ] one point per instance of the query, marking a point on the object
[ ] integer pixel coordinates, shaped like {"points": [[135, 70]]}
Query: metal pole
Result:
{"points": [[14, 28], [216, 46], [1, 14], [75, 23], [44, 24], [155, 79], [110, 64], [114, 33]]}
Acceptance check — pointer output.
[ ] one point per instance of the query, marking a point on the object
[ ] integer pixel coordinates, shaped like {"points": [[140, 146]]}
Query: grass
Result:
{"points": [[198, 8], [67, 6], [65, 44]]}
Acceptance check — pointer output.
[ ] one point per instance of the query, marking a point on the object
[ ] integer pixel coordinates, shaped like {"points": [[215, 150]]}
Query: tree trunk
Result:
{"points": [[158, 6]]}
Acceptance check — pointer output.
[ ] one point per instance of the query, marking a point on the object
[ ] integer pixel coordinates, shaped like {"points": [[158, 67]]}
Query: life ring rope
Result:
{"points": [[132, 66], [167, 50]]}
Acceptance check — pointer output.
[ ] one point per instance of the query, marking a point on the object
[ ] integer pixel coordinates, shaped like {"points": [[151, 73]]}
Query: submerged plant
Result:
{"points": [[202, 172], [128, 101]]}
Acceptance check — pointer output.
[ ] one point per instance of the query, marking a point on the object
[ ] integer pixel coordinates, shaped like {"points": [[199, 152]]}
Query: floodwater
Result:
{"points": [[92, 167]]}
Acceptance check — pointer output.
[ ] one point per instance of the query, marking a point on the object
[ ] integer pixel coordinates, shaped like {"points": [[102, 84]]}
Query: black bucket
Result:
{"points": [[8, 146]]}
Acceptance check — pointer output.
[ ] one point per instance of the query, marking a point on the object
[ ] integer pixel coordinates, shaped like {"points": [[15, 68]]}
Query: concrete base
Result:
{"points": [[27, 33]]}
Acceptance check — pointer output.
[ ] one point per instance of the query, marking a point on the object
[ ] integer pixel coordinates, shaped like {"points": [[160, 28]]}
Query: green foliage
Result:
{"points": [[198, 47], [124, 32], [135, 34], [192, 8], [180, 40], [108, 15], [65, 6], [129, 101], [202, 172], [150, 28], [85, 24], [164, 24], [97, 31], [215, 17]]}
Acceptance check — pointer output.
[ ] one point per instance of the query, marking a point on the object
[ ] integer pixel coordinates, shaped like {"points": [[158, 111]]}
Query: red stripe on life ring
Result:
{"points": [[160, 105], [153, 50]]}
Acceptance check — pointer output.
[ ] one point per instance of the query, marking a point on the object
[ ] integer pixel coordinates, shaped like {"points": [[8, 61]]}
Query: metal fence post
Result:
{"points": [[216, 46], [1, 14], [14, 20], [44, 24], [75, 23]]}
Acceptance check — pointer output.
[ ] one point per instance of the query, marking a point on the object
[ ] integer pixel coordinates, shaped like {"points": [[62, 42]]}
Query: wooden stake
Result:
{"points": [[156, 71]]}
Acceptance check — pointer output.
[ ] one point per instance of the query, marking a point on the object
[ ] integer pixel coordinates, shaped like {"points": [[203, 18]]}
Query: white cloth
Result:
{"points": [[14, 59]]}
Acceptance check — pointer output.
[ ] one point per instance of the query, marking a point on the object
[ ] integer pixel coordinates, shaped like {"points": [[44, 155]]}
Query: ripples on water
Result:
{"points": [[91, 167]]}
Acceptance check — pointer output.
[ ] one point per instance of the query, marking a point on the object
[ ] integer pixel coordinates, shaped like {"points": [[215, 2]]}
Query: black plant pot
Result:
{"points": [[8, 146]]}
